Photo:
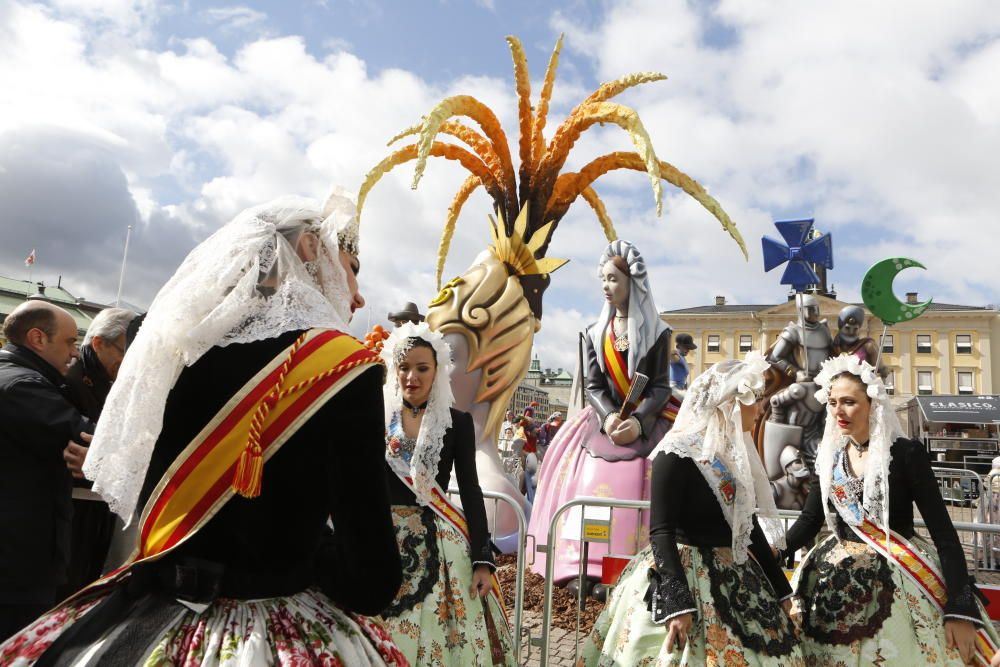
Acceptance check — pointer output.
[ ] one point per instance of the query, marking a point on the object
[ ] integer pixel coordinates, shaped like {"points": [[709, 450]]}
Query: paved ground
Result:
{"points": [[561, 644]]}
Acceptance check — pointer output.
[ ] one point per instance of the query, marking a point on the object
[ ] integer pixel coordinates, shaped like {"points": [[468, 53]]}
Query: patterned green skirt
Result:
{"points": [[858, 609], [434, 620], [739, 623]]}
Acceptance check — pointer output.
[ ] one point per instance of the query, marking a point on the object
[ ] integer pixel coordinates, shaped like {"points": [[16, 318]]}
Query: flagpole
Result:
{"points": [[121, 277]]}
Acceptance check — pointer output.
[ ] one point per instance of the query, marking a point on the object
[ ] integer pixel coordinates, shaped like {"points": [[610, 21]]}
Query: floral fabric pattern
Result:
{"points": [[446, 627], [29, 644], [301, 630], [858, 609], [419, 554], [747, 605], [625, 633], [852, 592]]}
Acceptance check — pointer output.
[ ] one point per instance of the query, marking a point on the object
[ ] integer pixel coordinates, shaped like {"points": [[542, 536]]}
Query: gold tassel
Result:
{"points": [[249, 472]]}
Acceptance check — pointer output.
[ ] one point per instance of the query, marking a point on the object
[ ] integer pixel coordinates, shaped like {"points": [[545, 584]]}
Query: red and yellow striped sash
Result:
{"points": [[287, 392], [921, 571], [616, 364], [617, 369]]}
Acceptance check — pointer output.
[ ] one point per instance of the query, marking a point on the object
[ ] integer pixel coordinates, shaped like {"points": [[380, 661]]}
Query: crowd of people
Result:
{"points": [[281, 489]]}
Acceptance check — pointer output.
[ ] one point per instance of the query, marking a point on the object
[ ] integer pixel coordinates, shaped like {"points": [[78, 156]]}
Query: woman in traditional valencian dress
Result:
{"points": [[708, 590], [917, 607], [448, 611], [596, 453], [243, 419]]}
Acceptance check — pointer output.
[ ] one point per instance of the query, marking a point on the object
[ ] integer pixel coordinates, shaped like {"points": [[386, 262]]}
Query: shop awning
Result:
{"points": [[960, 409]]}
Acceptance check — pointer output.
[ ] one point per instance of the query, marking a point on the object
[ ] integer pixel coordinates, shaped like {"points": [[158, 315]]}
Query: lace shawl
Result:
{"points": [[709, 431], [423, 466], [242, 284], [884, 429]]}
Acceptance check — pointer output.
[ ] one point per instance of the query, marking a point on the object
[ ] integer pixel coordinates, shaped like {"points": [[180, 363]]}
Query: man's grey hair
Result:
{"points": [[110, 324]]}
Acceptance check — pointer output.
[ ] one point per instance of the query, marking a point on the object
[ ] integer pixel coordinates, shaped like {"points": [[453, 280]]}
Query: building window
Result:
{"points": [[890, 382], [925, 382], [746, 342], [923, 343], [888, 346], [963, 343], [965, 383], [713, 343]]}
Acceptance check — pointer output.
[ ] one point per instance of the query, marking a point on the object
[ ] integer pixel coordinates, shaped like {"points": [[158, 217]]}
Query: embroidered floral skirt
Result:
{"points": [[858, 609], [302, 629], [433, 620], [739, 622]]}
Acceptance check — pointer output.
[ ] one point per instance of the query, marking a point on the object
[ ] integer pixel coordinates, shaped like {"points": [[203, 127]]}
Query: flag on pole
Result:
{"points": [[30, 259]]}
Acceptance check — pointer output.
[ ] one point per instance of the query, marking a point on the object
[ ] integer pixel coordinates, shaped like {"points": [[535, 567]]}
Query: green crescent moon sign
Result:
{"points": [[876, 291]]}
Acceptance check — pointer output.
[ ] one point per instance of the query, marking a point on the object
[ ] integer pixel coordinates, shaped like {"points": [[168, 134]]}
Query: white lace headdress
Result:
{"points": [[709, 426], [644, 322], [244, 283], [437, 416], [883, 429]]}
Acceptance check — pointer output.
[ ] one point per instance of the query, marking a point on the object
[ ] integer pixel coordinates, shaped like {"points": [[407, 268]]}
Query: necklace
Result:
{"points": [[621, 341], [859, 448], [414, 409]]}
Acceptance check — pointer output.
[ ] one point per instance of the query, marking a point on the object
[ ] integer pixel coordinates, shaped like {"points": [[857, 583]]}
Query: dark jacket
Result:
{"points": [[332, 468], [87, 387], [604, 399], [458, 451], [684, 510], [911, 480], [87, 383], [36, 423]]}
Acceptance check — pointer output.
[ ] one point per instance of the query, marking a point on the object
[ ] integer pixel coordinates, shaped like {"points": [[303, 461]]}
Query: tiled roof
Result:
{"points": [[747, 308], [718, 310], [27, 288], [14, 292]]}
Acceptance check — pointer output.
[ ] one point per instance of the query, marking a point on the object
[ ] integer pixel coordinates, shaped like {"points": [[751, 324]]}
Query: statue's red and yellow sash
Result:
{"points": [[452, 515], [263, 415], [916, 567], [616, 364]]}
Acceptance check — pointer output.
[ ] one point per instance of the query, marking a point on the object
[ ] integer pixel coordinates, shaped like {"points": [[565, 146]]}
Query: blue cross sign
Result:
{"points": [[799, 251]]}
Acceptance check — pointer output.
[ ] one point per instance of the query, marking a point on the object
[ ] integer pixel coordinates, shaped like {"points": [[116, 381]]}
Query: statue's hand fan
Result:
{"points": [[635, 390]]}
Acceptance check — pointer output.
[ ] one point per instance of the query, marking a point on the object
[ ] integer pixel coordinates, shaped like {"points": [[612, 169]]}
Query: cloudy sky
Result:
{"points": [[881, 120]]}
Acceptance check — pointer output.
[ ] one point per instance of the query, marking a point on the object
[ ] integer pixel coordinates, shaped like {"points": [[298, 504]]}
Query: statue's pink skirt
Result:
{"points": [[569, 471]]}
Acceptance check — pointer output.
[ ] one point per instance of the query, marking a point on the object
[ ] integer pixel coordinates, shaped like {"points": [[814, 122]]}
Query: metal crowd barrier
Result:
{"points": [[964, 492], [522, 540], [550, 563], [990, 513], [989, 531]]}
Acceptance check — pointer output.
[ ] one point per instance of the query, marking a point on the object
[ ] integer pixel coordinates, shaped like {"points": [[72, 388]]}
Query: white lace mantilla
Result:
{"points": [[883, 430], [242, 284], [709, 431], [437, 416]]}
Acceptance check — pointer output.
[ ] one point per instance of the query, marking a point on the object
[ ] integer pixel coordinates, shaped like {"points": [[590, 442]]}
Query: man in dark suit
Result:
{"points": [[38, 457], [88, 381]]}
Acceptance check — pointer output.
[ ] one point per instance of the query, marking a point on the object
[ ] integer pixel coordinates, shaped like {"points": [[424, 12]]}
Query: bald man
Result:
{"points": [[37, 460]]}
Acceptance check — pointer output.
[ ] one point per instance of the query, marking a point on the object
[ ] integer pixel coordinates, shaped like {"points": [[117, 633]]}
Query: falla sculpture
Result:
{"points": [[491, 312]]}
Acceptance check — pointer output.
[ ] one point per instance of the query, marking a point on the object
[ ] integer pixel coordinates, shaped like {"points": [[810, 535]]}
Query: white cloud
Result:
{"points": [[887, 125], [886, 129], [236, 17]]}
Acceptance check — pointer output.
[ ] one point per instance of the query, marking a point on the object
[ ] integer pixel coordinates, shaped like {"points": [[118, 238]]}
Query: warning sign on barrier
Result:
{"points": [[596, 524]]}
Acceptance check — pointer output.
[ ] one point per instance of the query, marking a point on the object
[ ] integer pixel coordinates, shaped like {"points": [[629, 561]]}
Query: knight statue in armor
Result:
{"points": [[848, 340], [795, 427]]}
